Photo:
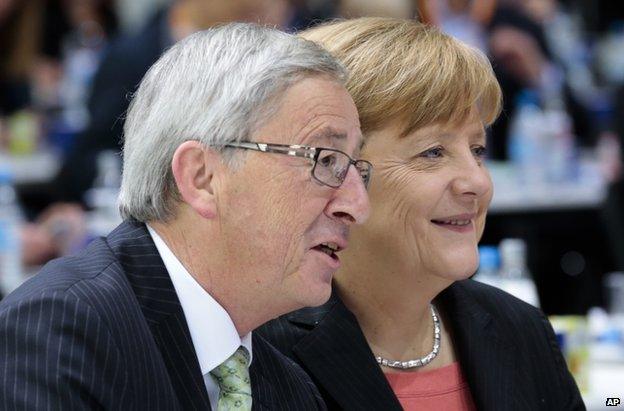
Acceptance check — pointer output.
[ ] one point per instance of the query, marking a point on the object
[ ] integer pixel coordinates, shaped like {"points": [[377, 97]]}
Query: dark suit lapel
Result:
{"points": [[159, 302], [264, 395], [486, 356], [336, 347]]}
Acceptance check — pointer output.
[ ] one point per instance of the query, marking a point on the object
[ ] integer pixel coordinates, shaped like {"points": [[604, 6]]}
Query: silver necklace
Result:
{"points": [[422, 361]]}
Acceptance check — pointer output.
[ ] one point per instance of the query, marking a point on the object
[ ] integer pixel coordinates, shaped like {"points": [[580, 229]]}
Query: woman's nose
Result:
{"points": [[472, 178]]}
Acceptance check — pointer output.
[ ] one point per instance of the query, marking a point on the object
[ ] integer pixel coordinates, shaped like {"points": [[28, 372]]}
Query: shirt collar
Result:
{"points": [[212, 331]]}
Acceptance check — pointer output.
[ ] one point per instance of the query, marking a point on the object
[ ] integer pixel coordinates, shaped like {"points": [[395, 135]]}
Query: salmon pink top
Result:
{"points": [[442, 389]]}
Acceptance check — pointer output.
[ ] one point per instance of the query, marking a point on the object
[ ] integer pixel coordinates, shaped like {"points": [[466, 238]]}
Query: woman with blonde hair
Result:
{"points": [[405, 326]]}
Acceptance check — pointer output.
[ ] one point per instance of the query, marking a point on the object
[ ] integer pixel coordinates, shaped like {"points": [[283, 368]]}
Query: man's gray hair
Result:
{"points": [[216, 86]]}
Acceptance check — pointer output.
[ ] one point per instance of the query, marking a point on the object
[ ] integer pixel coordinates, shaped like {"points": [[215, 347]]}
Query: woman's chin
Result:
{"points": [[457, 271]]}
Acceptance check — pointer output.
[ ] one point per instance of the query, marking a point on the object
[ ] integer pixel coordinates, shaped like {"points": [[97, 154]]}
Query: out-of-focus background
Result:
{"points": [[555, 231]]}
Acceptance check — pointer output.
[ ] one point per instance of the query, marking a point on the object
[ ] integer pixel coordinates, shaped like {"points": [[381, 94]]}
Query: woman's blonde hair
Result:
{"points": [[403, 70]]}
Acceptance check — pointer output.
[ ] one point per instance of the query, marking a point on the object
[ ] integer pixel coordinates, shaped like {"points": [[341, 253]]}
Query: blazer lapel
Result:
{"points": [[334, 348], [133, 245], [486, 356], [264, 395]]}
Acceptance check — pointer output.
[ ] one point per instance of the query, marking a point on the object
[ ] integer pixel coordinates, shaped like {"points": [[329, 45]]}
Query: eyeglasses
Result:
{"points": [[330, 165]]}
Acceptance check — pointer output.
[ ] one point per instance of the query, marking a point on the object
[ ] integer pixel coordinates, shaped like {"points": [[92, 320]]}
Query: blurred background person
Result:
{"points": [[50, 51], [512, 34], [612, 148], [19, 43]]}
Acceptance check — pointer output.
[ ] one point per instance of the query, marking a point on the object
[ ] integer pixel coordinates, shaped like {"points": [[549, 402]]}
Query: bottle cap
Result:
{"points": [[6, 175], [489, 259]]}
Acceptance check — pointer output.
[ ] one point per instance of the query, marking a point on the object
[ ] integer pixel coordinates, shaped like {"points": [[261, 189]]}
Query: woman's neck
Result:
{"points": [[390, 299]]}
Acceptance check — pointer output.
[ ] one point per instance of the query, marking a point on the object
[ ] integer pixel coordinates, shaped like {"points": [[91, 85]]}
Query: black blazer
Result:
{"points": [[506, 348], [105, 330]]}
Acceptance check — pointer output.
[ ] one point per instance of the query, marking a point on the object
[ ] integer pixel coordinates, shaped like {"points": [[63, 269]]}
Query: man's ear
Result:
{"points": [[194, 168]]}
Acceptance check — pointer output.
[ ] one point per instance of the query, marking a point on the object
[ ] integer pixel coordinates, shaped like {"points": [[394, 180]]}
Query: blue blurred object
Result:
{"points": [[489, 260], [60, 135], [561, 340], [10, 246]]}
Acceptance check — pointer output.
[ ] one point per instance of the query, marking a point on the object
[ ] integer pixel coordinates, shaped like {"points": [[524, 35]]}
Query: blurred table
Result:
{"points": [[38, 167], [588, 191], [605, 380], [564, 226]]}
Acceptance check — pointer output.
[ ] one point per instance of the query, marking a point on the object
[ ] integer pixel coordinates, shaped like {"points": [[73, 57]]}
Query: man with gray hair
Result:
{"points": [[237, 195]]}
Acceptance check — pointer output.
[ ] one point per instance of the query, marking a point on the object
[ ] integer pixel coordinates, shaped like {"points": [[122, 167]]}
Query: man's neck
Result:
{"points": [[215, 275]]}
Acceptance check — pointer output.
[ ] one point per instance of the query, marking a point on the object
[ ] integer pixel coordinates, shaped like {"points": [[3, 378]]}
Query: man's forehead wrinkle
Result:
{"points": [[321, 114], [313, 133], [323, 119], [324, 106]]}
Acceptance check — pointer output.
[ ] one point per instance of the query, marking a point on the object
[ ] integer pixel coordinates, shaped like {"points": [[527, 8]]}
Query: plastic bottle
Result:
{"points": [[81, 52], [102, 198], [560, 149], [10, 246], [489, 264], [526, 141], [562, 159], [515, 276]]}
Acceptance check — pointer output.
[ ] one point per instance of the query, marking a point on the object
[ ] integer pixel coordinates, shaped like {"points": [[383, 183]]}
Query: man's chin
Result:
{"points": [[316, 294]]}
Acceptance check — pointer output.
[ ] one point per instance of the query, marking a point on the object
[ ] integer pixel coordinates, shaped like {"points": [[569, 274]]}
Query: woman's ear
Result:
{"points": [[194, 167]]}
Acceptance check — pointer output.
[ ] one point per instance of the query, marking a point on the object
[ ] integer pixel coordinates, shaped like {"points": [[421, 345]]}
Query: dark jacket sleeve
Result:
{"points": [[548, 384], [570, 389], [57, 352]]}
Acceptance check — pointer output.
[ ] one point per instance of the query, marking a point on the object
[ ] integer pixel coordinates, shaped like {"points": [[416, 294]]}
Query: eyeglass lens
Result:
{"points": [[332, 167]]}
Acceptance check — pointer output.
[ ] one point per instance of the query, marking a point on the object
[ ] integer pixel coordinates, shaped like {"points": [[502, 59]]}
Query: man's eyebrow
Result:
{"points": [[329, 133]]}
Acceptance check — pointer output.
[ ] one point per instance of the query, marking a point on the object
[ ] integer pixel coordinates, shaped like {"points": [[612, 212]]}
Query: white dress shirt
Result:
{"points": [[213, 333]]}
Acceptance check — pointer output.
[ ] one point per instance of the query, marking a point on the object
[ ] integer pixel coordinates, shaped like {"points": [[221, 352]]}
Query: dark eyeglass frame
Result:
{"points": [[311, 153]]}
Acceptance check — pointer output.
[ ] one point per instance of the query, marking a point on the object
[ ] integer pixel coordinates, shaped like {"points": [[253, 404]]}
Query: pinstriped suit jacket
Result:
{"points": [[105, 330], [506, 349]]}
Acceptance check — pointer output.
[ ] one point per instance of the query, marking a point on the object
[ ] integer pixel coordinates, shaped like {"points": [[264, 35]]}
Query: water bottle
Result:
{"points": [[526, 141], [489, 264], [562, 161], [10, 245], [515, 276], [81, 51], [102, 198]]}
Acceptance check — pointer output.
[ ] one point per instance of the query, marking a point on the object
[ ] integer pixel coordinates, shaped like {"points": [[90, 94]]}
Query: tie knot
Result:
{"points": [[232, 376]]}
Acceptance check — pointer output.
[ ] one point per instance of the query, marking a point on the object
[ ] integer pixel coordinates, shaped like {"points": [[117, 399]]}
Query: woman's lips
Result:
{"points": [[461, 223], [459, 228]]}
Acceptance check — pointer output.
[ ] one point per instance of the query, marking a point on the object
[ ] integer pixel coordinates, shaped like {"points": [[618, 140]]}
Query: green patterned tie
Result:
{"points": [[234, 384]]}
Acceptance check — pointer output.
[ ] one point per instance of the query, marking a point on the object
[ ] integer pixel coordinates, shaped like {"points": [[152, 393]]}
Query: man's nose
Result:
{"points": [[350, 203]]}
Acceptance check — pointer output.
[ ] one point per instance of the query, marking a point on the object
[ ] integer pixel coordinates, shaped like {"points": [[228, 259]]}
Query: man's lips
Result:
{"points": [[331, 247]]}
